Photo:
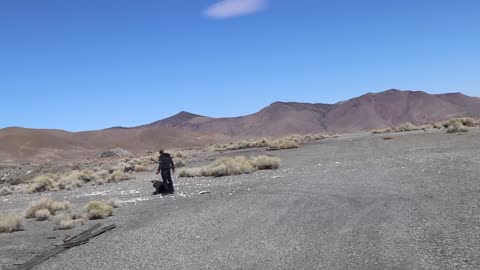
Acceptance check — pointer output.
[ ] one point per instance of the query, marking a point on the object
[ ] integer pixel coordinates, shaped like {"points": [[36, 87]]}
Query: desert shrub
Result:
{"points": [[232, 166], [98, 210], [101, 176], [135, 161], [282, 144], [264, 142], [67, 221], [123, 167], [10, 222], [318, 137], [117, 176], [179, 162], [148, 160], [381, 131], [114, 202], [42, 214], [437, 125], [456, 126], [140, 168], [467, 121], [4, 191], [405, 127], [41, 183], [266, 162], [70, 180], [49, 204]]}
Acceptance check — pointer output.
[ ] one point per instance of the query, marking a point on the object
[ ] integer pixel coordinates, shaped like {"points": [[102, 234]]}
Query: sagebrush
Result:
{"points": [[232, 166]]}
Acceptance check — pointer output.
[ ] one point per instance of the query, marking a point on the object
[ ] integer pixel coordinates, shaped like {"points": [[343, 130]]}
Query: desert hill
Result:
{"points": [[369, 111]]}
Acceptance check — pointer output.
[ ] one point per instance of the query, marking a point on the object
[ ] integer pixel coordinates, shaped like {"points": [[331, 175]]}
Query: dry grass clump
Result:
{"points": [[245, 144], [55, 182], [67, 221], [266, 162], [10, 222], [42, 214], [382, 131], [114, 202], [405, 127], [264, 142], [117, 176], [282, 144], [140, 168], [179, 162], [98, 210], [466, 121], [456, 127], [401, 128], [179, 155], [4, 191], [68, 181], [47, 204], [232, 166], [41, 183], [109, 176]]}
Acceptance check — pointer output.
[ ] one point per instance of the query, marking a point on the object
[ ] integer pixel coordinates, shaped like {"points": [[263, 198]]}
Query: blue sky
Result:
{"points": [[83, 65]]}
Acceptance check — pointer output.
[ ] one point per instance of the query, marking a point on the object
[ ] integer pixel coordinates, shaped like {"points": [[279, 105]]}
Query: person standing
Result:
{"points": [[165, 164]]}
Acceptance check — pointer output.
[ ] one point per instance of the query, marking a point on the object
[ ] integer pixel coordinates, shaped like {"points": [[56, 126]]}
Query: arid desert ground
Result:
{"points": [[359, 201]]}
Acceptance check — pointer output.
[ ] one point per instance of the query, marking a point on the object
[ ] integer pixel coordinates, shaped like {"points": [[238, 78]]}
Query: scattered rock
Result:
{"points": [[204, 192]]}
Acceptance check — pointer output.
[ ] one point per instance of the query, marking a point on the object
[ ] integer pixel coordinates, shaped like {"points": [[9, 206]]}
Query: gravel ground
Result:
{"points": [[357, 202]]}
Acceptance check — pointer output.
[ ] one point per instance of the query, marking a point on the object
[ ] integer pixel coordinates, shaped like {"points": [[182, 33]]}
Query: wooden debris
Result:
{"points": [[74, 241]]}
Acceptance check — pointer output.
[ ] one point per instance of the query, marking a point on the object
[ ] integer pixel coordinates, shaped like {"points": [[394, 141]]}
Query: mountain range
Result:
{"points": [[369, 111]]}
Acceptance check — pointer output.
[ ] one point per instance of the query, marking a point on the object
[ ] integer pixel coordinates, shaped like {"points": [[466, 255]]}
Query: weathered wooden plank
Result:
{"points": [[77, 240]]}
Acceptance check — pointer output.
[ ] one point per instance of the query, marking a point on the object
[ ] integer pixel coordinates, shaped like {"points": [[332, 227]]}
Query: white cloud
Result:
{"points": [[234, 8]]}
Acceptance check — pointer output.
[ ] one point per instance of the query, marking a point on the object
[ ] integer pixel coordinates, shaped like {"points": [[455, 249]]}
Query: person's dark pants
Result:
{"points": [[167, 181]]}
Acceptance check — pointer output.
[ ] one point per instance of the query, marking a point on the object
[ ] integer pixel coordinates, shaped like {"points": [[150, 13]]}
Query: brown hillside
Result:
{"points": [[373, 110]]}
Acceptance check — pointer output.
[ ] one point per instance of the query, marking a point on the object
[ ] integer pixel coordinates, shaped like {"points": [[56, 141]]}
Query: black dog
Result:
{"points": [[159, 187]]}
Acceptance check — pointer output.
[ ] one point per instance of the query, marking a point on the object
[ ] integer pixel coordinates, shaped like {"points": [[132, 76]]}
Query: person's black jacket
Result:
{"points": [[165, 162]]}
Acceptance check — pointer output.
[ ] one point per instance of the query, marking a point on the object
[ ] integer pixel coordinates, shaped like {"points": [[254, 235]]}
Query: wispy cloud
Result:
{"points": [[235, 8]]}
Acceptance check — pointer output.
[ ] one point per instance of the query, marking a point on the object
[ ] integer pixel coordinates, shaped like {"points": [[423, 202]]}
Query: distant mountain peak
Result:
{"points": [[186, 114]]}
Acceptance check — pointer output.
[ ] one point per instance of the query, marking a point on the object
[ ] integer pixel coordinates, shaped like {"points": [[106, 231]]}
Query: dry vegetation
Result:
{"points": [[282, 144], [456, 126], [47, 204], [288, 142], [453, 125], [67, 221], [108, 169], [401, 128], [74, 179], [232, 166], [10, 222], [61, 212], [4, 191], [98, 210], [42, 214]]}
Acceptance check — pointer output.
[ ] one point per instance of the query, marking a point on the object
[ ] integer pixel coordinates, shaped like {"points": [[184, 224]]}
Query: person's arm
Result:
{"points": [[172, 164]]}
